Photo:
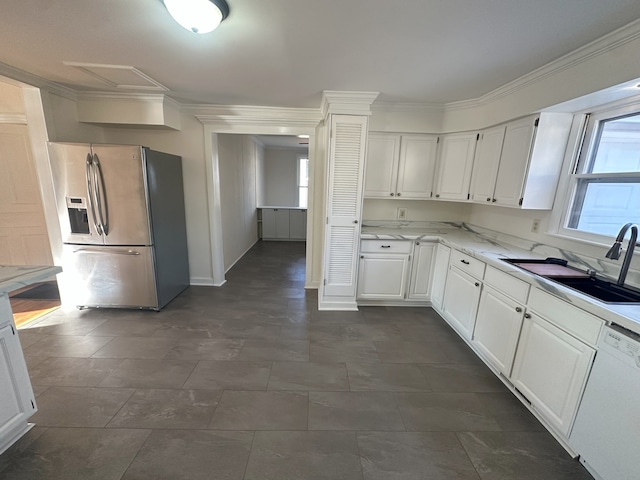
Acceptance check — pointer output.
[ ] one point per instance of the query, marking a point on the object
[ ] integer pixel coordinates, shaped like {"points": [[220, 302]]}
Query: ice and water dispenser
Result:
{"points": [[78, 218]]}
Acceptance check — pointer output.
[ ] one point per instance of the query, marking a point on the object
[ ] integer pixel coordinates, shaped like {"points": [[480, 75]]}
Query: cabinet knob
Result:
{"points": [[527, 315], [437, 195], [488, 199], [355, 221], [392, 194], [518, 309], [417, 243], [397, 195], [477, 284], [494, 200], [361, 256]]}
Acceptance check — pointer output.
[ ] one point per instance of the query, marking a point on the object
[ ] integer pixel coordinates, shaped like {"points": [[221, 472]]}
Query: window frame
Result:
{"points": [[298, 185], [585, 133]]}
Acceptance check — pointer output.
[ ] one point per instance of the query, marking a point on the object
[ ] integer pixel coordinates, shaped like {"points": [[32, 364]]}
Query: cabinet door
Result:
{"points": [[268, 223], [455, 165], [16, 396], [298, 224], [382, 276], [551, 369], [421, 266], [438, 282], [497, 329], [417, 166], [282, 222], [461, 297], [381, 171], [485, 165], [516, 148]]}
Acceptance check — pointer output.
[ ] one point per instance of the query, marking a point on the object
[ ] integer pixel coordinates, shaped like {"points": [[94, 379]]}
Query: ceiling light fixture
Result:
{"points": [[198, 16]]}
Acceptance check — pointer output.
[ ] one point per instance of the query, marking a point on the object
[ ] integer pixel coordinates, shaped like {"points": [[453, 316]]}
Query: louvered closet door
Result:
{"points": [[344, 204]]}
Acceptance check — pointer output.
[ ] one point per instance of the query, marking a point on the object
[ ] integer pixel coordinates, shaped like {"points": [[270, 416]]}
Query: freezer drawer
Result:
{"points": [[104, 276]]}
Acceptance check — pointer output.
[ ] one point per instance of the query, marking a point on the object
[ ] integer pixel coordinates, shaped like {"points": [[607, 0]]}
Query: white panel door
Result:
{"points": [[298, 224], [461, 297], [382, 165], [23, 232], [485, 165], [418, 154], [551, 370], [282, 222], [268, 223], [439, 280], [455, 165], [421, 269], [344, 204], [516, 150], [382, 276], [497, 329], [17, 402]]}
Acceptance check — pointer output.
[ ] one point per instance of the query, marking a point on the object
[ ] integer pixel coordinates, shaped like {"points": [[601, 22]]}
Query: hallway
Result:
{"points": [[249, 381]]}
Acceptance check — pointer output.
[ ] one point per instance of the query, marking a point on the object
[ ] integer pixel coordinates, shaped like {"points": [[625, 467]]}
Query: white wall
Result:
{"points": [[281, 176], [237, 167], [62, 121], [189, 144], [417, 210]]}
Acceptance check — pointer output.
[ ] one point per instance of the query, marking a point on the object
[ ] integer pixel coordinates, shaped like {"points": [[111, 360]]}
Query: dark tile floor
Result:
{"points": [[250, 381]]}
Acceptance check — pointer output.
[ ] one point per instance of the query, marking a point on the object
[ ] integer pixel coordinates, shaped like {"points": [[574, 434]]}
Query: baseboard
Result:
{"points": [[201, 282]]}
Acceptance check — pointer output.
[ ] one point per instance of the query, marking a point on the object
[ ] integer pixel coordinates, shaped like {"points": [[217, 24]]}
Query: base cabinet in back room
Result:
{"points": [[283, 223]]}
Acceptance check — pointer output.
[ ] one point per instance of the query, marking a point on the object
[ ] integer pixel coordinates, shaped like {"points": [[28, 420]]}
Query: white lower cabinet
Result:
{"points": [[298, 224], [421, 268], [439, 277], [284, 224], [550, 370], [383, 276], [461, 296], [497, 328], [16, 394]]}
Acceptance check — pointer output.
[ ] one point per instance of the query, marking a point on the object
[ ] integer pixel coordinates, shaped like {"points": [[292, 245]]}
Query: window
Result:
{"points": [[606, 180], [303, 182]]}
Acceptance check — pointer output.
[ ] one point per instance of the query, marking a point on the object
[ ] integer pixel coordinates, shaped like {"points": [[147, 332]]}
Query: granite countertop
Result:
{"points": [[491, 247], [13, 277]]}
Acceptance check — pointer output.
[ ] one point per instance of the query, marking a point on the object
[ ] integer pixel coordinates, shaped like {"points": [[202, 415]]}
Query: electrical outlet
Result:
{"points": [[535, 225], [402, 214]]}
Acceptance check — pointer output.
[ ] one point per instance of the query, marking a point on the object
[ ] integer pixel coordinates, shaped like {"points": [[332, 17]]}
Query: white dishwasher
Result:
{"points": [[606, 432]]}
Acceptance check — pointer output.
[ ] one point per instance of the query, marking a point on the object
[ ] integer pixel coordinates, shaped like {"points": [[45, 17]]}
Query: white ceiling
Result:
{"points": [[285, 52]]}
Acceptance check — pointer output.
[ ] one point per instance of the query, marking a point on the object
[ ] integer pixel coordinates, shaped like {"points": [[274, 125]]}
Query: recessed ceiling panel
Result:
{"points": [[119, 76]]}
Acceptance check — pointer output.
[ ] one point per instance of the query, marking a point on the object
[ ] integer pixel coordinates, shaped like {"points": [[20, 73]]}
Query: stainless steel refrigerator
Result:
{"points": [[122, 218]]}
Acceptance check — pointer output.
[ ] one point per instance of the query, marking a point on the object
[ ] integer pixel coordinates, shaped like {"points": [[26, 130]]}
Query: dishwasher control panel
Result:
{"points": [[627, 343]]}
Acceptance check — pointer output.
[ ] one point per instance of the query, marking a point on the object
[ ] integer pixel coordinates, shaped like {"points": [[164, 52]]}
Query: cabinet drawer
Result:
{"points": [[466, 263], [571, 319], [385, 246], [505, 283]]}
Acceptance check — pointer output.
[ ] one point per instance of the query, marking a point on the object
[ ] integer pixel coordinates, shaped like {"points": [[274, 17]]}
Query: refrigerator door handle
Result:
{"points": [[106, 252], [92, 207], [101, 195]]}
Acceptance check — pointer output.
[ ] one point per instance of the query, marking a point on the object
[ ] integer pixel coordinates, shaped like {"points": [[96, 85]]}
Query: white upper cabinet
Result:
{"points": [[454, 166], [518, 164], [485, 165], [400, 166], [383, 154]]}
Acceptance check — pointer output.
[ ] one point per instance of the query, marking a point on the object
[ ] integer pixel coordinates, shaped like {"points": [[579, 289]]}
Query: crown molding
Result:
{"points": [[598, 47], [250, 115], [408, 107], [13, 118], [25, 78], [347, 103]]}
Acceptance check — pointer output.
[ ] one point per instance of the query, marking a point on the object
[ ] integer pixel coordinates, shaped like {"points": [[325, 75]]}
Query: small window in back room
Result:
{"points": [[606, 180], [303, 181]]}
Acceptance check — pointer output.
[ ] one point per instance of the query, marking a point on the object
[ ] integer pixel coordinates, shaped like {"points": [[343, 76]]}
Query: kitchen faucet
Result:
{"points": [[615, 251]]}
